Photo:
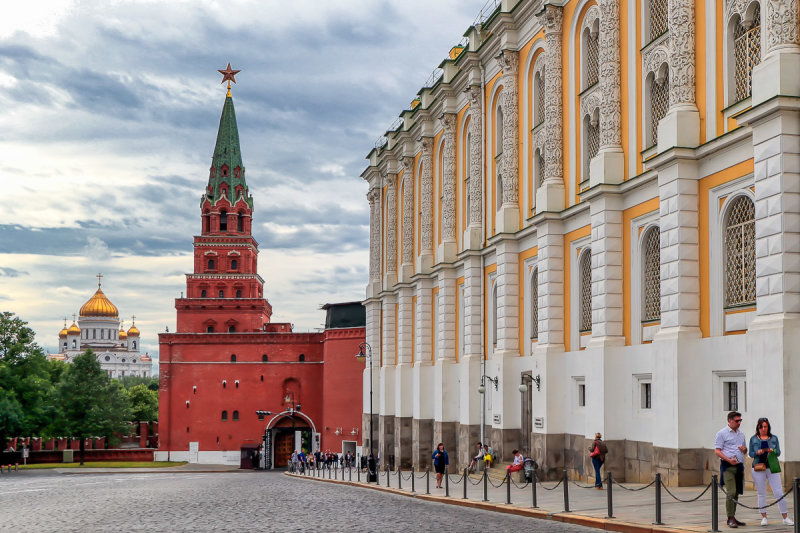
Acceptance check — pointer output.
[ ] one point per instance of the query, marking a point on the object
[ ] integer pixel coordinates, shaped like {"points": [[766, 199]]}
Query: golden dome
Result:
{"points": [[99, 305], [74, 329], [63, 332], [122, 334], [133, 331]]}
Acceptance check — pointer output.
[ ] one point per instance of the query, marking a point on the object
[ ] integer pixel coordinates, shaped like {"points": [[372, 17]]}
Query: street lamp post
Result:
{"points": [[361, 357]]}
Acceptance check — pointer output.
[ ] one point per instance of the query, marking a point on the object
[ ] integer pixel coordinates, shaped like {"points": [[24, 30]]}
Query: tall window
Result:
{"points": [[236, 415], [223, 221], [498, 149], [224, 415], [538, 87], [651, 275], [747, 53], [591, 132], [659, 103], [585, 273], [240, 223], [211, 264], [591, 52], [740, 253], [494, 314], [234, 264], [535, 304], [658, 18]]}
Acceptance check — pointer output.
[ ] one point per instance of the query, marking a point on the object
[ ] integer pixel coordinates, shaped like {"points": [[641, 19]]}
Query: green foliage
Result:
{"points": [[131, 381], [144, 403], [16, 339]]}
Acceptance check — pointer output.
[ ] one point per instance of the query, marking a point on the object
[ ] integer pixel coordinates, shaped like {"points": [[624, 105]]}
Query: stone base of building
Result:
{"points": [[421, 443], [385, 441], [468, 437], [402, 442]]}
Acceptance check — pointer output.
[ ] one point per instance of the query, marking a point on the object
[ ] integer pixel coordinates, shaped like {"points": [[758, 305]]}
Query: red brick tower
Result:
{"points": [[225, 292]]}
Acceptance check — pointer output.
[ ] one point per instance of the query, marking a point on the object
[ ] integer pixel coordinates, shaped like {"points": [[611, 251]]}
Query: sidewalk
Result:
{"points": [[633, 511]]}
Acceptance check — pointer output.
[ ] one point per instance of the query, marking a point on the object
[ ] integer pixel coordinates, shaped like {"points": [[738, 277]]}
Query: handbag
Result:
{"points": [[759, 467], [595, 452], [772, 461]]}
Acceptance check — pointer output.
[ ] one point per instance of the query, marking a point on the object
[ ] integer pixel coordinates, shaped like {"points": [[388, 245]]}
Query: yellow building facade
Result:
{"points": [[598, 200]]}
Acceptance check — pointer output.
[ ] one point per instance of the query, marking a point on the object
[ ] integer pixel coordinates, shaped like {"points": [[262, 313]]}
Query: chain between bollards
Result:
{"points": [[658, 521], [610, 496], [427, 480], [508, 487], [714, 503], [533, 488], [466, 482], [446, 482], [566, 492], [485, 485]]}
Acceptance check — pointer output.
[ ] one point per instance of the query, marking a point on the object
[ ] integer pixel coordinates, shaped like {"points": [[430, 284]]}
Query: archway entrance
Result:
{"points": [[286, 432]]}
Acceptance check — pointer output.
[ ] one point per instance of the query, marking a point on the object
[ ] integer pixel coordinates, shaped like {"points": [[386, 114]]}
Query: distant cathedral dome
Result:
{"points": [[133, 331], [74, 329], [63, 333], [99, 306], [122, 335]]}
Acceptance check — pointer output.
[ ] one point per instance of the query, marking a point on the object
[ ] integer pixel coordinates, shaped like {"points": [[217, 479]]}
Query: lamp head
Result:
{"points": [[481, 388], [361, 356], [523, 388]]}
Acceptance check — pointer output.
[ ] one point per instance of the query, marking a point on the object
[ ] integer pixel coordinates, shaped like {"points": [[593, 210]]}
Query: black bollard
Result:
{"points": [[446, 483], [610, 488], [358, 474], [412, 479], [350, 474], [566, 492], [658, 521], [533, 488], [485, 485], [399, 478], [508, 487], [388, 476], [466, 474], [714, 503], [428, 480], [796, 505]]}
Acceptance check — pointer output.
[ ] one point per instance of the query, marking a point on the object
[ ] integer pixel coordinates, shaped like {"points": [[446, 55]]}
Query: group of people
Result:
{"points": [[484, 455], [326, 459]]}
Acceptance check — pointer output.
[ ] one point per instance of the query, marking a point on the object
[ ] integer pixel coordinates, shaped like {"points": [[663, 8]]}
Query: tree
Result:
{"points": [[144, 403], [131, 381], [16, 339], [91, 404]]}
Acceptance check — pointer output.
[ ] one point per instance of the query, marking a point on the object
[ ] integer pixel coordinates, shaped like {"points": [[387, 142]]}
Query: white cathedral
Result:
{"points": [[99, 328]]}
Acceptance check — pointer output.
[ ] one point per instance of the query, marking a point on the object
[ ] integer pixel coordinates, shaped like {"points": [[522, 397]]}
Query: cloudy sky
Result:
{"points": [[108, 117]]}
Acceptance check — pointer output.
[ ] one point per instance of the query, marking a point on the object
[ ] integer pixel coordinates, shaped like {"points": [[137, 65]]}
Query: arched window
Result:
{"points": [[205, 222], [494, 314], [591, 55], [240, 223], [211, 264], [302, 357], [651, 275], [223, 220], [74, 343], [539, 161], [585, 278], [236, 415], [224, 415], [658, 85], [535, 304], [498, 149], [133, 345], [234, 264], [238, 293], [747, 52], [740, 253], [658, 19], [233, 358], [264, 358], [591, 140], [221, 293], [538, 87], [210, 329], [203, 293], [231, 329]]}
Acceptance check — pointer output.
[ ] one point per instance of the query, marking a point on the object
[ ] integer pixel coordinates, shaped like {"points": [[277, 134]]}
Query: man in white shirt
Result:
{"points": [[730, 446]]}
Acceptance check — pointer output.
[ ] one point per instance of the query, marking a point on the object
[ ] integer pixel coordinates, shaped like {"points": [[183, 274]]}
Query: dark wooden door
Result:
{"points": [[283, 448]]}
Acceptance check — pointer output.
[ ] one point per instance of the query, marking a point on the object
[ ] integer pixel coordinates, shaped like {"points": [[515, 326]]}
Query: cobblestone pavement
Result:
{"points": [[242, 501]]}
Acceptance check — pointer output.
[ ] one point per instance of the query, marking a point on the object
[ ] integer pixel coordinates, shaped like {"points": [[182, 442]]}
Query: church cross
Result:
{"points": [[99, 278]]}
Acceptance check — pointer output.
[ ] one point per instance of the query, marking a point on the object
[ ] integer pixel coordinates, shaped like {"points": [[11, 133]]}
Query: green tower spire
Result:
{"points": [[227, 170]]}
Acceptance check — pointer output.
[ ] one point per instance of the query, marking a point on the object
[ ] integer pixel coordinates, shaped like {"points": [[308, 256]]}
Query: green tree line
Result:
{"points": [[50, 398]]}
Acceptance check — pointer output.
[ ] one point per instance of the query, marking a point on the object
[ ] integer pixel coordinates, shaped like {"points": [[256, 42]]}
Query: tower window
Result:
{"points": [[221, 294], [203, 293], [134, 345], [233, 358], [238, 293], [210, 329], [302, 357], [264, 358], [224, 415], [240, 223], [236, 415], [223, 221], [211, 264], [231, 329], [234, 264]]}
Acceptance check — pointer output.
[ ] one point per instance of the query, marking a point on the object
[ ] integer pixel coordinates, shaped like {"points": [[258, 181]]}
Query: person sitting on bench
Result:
{"points": [[516, 466]]}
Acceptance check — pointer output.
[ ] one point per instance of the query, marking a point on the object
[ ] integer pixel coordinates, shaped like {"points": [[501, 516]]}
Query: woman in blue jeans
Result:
{"points": [[598, 451]]}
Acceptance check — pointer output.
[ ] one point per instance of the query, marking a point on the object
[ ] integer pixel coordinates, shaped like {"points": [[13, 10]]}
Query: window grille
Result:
{"points": [[592, 59], [652, 275], [535, 304], [747, 49], [659, 101], [592, 143], [659, 17], [539, 168], [586, 290], [539, 98], [740, 253]]}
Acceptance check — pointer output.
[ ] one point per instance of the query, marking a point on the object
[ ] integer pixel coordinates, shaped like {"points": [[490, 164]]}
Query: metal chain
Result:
{"points": [[730, 497], [478, 482], [582, 486], [552, 488], [690, 500], [493, 485], [520, 487], [459, 478], [617, 483], [406, 478]]}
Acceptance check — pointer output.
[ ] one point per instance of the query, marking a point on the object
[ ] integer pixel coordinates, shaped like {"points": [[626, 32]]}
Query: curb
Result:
{"points": [[567, 518]]}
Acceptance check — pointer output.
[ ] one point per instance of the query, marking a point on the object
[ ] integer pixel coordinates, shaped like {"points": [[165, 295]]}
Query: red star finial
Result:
{"points": [[229, 75]]}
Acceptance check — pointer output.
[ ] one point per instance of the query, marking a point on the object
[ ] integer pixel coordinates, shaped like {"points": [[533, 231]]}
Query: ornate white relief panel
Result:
{"points": [[682, 53], [449, 178], [781, 23], [426, 194], [509, 63], [610, 75], [475, 155], [553, 19], [391, 222], [408, 210]]}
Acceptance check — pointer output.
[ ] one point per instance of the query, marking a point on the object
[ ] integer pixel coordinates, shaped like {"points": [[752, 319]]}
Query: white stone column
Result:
{"points": [[448, 250], [473, 238], [550, 196], [470, 365], [390, 276], [779, 70], [608, 166], [606, 218], [681, 125], [374, 287], [550, 262], [407, 261], [386, 397], [373, 338], [445, 394], [508, 219], [403, 387], [426, 206]]}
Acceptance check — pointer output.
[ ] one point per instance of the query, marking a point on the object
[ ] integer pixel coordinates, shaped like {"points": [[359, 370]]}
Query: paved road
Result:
{"points": [[241, 501]]}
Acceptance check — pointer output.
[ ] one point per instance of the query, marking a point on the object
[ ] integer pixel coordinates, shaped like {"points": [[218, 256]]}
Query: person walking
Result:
{"points": [[597, 452], [729, 447], [440, 462], [762, 444]]}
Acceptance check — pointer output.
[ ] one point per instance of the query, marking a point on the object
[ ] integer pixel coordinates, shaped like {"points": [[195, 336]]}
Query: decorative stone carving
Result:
{"points": [[426, 194], [682, 54], [509, 62], [592, 14], [610, 115], [449, 178], [590, 101], [654, 59], [475, 155], [374, 198], [408, 210], [553, 154], [391, 222], [781, 23]]}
